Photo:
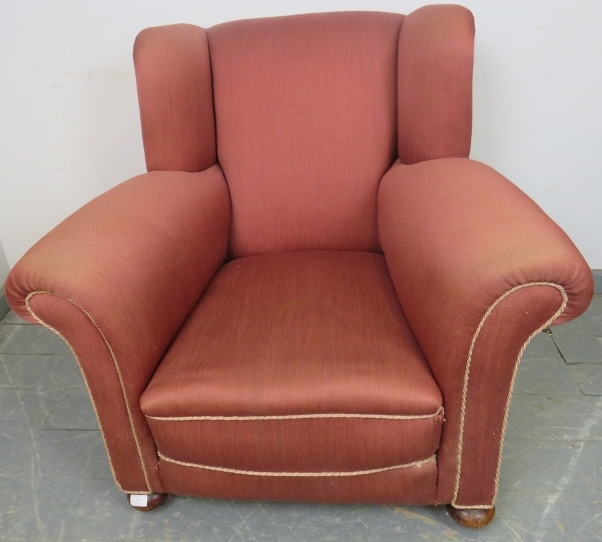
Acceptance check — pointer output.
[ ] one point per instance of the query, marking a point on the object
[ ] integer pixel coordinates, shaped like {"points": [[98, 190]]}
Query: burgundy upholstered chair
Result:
{"points": [[313, 294]]}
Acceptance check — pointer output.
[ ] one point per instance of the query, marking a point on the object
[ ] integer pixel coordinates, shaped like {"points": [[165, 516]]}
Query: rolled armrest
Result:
{"points": [[479, 268], [116, 280]]}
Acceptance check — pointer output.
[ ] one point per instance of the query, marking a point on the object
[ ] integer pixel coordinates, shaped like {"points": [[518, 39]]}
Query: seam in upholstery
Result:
{"points": [[465, 388], [294, 417], [39, 320], [298, 474]]}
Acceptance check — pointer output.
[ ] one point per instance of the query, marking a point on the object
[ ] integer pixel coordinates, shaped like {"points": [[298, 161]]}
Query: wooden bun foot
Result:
{"points": [[473, 518], [145, 503]]}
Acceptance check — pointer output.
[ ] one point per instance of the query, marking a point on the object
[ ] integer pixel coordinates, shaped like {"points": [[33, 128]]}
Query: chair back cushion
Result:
{"points": [[306, 120]]}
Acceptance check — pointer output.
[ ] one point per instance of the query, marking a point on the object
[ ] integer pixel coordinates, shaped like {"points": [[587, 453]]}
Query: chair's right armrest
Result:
{"points": [[479, 268], [116, 280]]}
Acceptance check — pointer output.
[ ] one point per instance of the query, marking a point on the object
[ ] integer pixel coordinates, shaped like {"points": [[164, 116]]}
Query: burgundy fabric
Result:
{"points": [[493, 363], [457, 236], [102, 380], [299, 445], [291, 333], [305, 112], [310, 112], [294, 334], [137, 259], [414, 485], [173, 75], [434, 74]]}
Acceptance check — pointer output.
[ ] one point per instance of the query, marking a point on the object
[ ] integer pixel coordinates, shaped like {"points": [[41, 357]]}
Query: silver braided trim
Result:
{"points": [[465, 387], [297, 474]]}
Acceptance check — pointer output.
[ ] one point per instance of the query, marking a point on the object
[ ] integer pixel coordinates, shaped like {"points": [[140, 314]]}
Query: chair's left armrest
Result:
{"points": [[479, 268], [116, 280]]}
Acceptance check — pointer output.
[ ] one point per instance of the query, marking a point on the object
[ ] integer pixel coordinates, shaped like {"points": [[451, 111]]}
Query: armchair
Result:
{"points": [[313, 294]]}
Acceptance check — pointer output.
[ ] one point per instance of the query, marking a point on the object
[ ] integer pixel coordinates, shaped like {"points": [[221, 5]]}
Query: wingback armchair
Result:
{"points": [[313, 294]]}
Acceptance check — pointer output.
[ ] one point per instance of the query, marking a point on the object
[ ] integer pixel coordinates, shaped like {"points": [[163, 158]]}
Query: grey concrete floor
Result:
{"points": [[55, 481]]}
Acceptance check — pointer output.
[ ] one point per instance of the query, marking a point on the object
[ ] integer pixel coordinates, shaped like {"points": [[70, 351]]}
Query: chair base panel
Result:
{"points": [[412, 485], [473, 518]]}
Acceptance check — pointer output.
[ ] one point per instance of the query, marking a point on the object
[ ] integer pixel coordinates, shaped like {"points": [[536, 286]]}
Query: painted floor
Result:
{"points": [[55, 481]]}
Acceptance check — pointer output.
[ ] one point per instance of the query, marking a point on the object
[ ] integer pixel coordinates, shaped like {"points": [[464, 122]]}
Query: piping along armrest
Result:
{"points": [[479, 269], [116, 280]]}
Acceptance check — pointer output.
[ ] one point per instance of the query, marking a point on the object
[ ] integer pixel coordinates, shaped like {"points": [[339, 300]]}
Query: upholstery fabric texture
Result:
{"points": [[299, 333], [457, 236], [153, 241], [305, 127], [175, 94], [412, 485], [434, 84], [314, 294]]}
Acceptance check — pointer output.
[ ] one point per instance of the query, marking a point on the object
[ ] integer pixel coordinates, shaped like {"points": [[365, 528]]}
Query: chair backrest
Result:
{"points": [[305, 114], [309, 113]]}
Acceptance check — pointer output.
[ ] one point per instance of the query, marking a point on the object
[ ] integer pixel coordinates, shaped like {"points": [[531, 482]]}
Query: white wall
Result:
{"points": [[69, 117], [3, 267]]}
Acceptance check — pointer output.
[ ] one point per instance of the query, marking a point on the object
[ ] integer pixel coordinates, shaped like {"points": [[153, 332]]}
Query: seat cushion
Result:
{"points": [[296, 363]]}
